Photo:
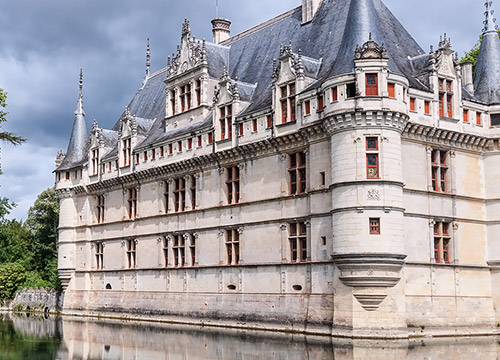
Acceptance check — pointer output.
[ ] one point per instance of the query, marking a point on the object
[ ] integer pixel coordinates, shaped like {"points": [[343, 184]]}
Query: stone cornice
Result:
{"points": [[444, 137], [347, 121]]}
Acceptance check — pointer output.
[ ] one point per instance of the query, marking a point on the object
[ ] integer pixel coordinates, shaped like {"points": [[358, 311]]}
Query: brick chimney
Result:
{"points": [[221, 29], [309, 9]]}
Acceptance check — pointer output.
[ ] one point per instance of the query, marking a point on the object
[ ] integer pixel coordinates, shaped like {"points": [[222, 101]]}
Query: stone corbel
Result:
{"points": [[283, 227]]}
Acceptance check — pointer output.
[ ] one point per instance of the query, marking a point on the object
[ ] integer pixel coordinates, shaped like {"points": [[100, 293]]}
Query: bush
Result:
{"points": [[12, 278]]}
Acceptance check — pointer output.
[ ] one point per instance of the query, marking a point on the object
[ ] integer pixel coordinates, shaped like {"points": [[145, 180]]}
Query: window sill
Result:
{"points": [[448, 119], [286, 124], [223, 141]]}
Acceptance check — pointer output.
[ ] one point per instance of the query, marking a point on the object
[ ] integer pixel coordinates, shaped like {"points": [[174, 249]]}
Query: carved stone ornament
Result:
{"points": [[370, 50], [373, 194]]}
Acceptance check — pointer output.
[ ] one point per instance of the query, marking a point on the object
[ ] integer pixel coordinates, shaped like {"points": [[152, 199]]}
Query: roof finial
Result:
{"points": [[81, 82], [370, 36], [489, 22], [148, 59], [79, 107]]}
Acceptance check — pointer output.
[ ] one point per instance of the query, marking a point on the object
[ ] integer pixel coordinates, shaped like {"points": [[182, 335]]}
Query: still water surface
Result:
{"points": [[29, 337]]}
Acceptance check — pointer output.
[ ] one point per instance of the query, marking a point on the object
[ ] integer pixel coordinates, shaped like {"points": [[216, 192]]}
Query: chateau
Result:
{"points": [[318, 173]]}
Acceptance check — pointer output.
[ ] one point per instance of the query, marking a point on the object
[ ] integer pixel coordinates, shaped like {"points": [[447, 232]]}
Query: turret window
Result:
{"points": [[287, 103], [95, 161], [307, 107], [427, 107], [371, 85], [335, 94], [495, 119], [478, 119], [445, 98], [374, 226], [226, 122], [391, 90], [350, 90], [321, 104], [466, 116], [127, 147], [372, 158], [412, 104]]}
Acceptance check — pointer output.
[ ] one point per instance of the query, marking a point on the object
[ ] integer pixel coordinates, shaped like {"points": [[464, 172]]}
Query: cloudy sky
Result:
{"points": [[44, 43]]}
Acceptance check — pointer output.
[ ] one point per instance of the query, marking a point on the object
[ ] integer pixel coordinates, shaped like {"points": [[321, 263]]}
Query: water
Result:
{"points": [[23, 337]]}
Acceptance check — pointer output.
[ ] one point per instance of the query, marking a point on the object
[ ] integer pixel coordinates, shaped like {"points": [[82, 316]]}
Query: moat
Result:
{"points": [[25, 336]]}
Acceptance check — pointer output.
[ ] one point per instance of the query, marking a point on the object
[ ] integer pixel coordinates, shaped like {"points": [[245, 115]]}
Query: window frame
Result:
{"points": [[132, 253], [371, 89], [297, 239], [99, 255], [232, 245], [132, 203], [372, 153], [233, 185], [100, 208], [297, 171]]}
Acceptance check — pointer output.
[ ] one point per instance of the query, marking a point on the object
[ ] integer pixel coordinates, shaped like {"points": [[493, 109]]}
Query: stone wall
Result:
{"points": [[40, 300]]}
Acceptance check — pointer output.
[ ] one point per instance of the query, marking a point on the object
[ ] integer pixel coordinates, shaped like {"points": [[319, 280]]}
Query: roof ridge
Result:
{"points": [[260, 26]]}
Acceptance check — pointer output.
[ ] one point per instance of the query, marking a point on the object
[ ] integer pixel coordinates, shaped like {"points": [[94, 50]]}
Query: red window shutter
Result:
{"points": [[412, 104], [241, 129], [466, 116], [371, 85], [321, 105], [391, 89], [334, 94], [427, 107], [308, 107], [254, 125]]}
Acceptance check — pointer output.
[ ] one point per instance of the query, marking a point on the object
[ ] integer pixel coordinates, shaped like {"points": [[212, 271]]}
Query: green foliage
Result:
{"points": [[7, 136], [5, 207], [12, 277]]}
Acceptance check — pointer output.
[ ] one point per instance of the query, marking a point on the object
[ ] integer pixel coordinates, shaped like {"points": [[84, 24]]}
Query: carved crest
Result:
{"points": [[371, 50]]}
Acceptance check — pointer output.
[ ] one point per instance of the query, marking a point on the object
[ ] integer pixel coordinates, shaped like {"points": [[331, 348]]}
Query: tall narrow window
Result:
{"points": [[233, 185], [153, 154], [298, 241], [232, 247], [371, 85], [374, 226], [198, 92], [254, 125], [478, 118], [412, 104], [99, 255], [180, 194], [179, 146], [95, 161], [210, 138], [466, 116], [162, 151], [372, 159], [179, 251], [165, 251], [200, 141], [172, 101], [445, 98], [145, 156], [442, 241], [67, 175], [166, 196], [269, 120], [192, 249], [287, 103], [226, 122], [132, 203], [190, 143], [350, 90], [427, 107], [391, 90], [335, 96], [297, 172], [439, 174], [307, 107], [170, 149], [127, 146], [241, 129], [100, 209], [182, 98], [187, 90], [131, 254], [193, 192], [321, 104]]}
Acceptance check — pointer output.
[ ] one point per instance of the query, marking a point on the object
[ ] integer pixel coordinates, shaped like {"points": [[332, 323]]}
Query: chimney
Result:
{"points": [[467, 80], [220, 29], [309, 9]]}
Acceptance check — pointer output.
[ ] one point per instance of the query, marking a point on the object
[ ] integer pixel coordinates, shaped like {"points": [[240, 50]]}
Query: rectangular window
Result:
{"points": [[427, 107], [162, 151], [192, 249], [100, 209], [442, 241], [372, 165], [335, 96], [439, 173], [254, 125], [321, 104], [153, 154], [180, 194], [284, 104], [95, 161], [478, 118], [298, 241], [137, 158], [374, 226], [287, 103], [232, 247], [109, 167], [170, 149], [322, 178], [297, 173], [200, 141], [350, 90], [193, 192], [179, 146], [441, 104], [67, 175], [182, 98], [412, 104], [179, 251], [307, 107], [269, 121], [445, 98], [495, 119], [449, 108], [198, 92], [233, 185], [99, 255], [172, 101], [166, 196], [131, 254], [187, 91], [466, 116], [145, 156], [132, 203], [165, 251], [210, 138], [190, 143], [116, 165], [226, 122], [371, 85], [241, 129], [391, 89]]}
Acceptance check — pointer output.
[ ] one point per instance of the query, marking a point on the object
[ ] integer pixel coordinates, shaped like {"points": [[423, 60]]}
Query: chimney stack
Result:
{"points": [[467, 76], [309, 9], [221, 29]]}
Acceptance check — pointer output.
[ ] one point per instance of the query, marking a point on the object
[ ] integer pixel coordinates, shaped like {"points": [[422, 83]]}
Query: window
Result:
{"points": [[192, 249], [103, 169], [321, 103], [412, 104], [233, 247], [210, 138], [322, 178], [427, 107], [226, 122], [495, 119], [233, 185], [307, 107], [153, 154], [170, 149], [190, 143], [372, 165], [180, 195], [145, 156], [439, 163], [165, 251], [162, 151], [466, 116], [172, 101], [350, 90], [445, 98], [179, 146], [241, 129], [269, 121], [109, 166], [67, 175], [185, 97], [442, 240], [374, 226], [100, 209], [478, 118], [179, 251], [95, 161], [298, 242], [131, 253], [371, 85], [127, 146], [254, 125], [132, 203], [200, 141], [137, 158], [335, 96], [193, 192], [391, 90], [287, 102], [297, 171], [99, 255], [166, 196], [198, 92]]}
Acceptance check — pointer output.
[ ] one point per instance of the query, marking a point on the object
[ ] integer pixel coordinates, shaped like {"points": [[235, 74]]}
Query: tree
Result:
{"points": [[4, 135]]}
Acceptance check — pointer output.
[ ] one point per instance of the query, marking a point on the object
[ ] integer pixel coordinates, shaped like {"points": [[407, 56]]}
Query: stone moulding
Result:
{"points": [[366, 272]]}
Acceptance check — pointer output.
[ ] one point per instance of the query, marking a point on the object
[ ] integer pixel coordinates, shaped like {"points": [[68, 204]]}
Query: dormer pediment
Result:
{"points": [[445, 63], [294, 66], [128, 126]]}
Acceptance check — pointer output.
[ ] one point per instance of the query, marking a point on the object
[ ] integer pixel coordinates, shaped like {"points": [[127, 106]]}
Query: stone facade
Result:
{"points": [[352, 193]]}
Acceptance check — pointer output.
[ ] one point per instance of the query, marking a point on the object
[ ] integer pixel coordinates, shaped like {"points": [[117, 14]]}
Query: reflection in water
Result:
{"points": [[78, 338]]}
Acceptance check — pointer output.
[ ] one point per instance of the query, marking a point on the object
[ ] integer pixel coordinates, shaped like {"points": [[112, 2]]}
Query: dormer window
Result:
{"points": [[185, 97], [287, 101], [198, 92], [127, 146], [445, 98], [95, 162], [371, 85], [226, 122], [172, 101]]}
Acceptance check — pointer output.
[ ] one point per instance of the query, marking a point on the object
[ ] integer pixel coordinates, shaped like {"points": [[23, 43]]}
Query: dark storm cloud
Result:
{"points": [[44, 43]]}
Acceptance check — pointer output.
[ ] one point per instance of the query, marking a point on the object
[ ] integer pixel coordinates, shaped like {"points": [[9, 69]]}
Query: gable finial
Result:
{"points": [[79, 107], [148, 59], [490, 21], [81, 82]]}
